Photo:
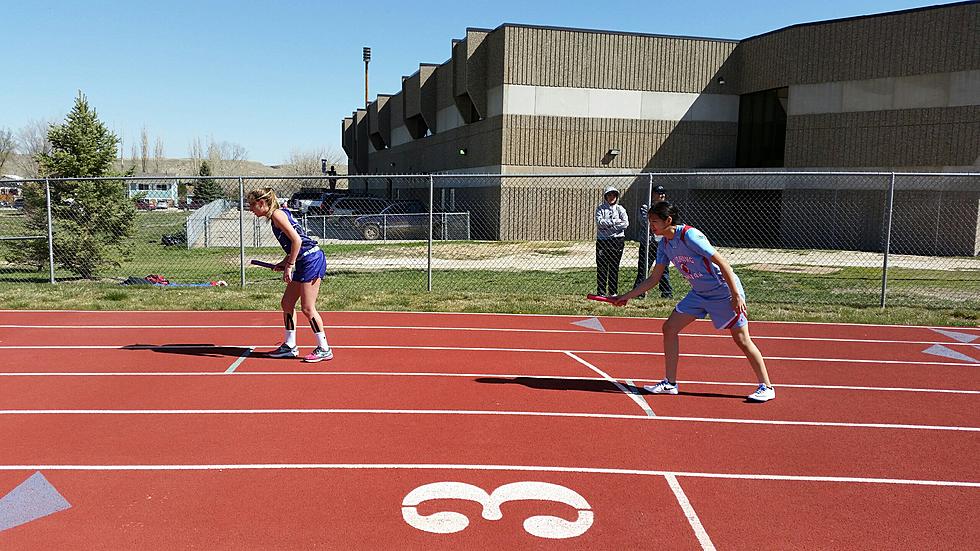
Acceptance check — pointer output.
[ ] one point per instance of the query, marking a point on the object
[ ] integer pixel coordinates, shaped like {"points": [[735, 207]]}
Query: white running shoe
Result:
{"points": [[763, 394], [284, 352], [318, 355], [663, 387]]}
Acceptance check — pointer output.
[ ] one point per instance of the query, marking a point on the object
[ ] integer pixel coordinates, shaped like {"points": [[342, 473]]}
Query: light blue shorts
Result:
{"points": [[722, 314]]}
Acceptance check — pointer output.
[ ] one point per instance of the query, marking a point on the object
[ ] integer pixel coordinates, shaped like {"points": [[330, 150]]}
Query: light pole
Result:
{"points": [[367, 58]]}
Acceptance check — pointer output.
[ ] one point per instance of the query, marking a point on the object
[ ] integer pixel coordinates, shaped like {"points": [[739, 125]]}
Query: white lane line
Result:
{"points": [[472, 467], [484, 314], [238, 362], [631, 382], [479, 329], [493, 349], [365, 411], [638, 399], [690, 513]]}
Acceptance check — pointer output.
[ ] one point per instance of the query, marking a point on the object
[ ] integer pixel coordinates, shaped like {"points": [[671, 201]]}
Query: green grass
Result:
{"points": [[921, 297], [789, 297]]}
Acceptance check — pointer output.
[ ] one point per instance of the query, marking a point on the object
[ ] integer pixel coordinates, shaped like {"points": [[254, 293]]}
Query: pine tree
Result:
{"points": [[206, 189], [91, 218]]}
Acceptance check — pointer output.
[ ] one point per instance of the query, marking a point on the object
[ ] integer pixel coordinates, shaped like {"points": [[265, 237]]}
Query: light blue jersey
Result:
{"points": [[691, 254]]}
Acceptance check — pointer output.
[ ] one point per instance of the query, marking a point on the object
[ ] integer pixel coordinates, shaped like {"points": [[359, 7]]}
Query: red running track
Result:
{"points": [[159, 448]]}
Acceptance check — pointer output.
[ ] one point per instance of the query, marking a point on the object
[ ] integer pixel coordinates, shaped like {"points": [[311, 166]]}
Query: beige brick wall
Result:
{"points": [[596, 59], [901, 44], [938, 137]]}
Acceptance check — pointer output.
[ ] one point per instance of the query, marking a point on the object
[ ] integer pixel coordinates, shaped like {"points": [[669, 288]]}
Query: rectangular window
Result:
{"points": [[762, 128]]}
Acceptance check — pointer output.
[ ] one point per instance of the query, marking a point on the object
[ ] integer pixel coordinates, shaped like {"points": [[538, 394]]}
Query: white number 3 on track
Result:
{"points": [[542, 526]]}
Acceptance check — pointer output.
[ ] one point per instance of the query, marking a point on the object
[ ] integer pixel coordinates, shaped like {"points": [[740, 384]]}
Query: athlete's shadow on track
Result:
{"points": [[548, 383], [193, 349], [586, 385]]}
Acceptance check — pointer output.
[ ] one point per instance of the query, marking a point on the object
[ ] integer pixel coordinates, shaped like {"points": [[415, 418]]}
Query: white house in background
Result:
{"points": [[155, 191], [9, 187]]}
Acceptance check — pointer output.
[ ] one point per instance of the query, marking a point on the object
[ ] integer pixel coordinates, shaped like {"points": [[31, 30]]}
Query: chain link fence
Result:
{"points": [[822, 238]]}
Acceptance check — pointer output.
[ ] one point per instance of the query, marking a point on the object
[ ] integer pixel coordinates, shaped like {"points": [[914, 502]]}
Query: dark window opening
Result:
{"points": [[378, 142], [416, 126], [467, 109], [762, 129]]}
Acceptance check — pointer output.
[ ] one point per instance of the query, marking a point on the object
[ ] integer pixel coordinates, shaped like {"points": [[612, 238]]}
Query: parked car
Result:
{"points": [[404, 219], [346, 206], [19, 203], [313, 201]]}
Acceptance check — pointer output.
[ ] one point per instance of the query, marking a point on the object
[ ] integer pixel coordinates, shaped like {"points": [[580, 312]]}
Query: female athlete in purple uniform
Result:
{"points": [[712, 281], [302, 269]]}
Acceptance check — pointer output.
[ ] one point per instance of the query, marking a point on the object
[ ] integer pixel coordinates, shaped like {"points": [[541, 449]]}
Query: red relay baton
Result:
{"points": [[600, 298]]}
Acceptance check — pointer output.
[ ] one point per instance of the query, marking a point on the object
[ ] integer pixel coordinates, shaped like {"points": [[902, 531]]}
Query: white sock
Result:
{"points": [[321, 340], [290, 339]]}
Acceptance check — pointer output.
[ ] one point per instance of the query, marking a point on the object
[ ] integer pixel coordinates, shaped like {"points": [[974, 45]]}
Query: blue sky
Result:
{"points": [[279, 76]]}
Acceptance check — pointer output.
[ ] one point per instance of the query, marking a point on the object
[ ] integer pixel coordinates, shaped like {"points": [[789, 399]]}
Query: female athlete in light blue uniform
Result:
{"points": [[302, 269], [712, 281]]}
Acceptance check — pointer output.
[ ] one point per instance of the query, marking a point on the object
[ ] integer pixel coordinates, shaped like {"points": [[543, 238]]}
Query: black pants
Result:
{"points": [[608, 253], [646, 262]]}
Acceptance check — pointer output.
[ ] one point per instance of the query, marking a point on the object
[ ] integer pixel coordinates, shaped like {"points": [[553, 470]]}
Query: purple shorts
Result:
{"points": [[310, 267]]}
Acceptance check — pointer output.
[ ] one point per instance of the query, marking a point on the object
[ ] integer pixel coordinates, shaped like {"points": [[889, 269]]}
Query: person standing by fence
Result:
{"points": [[611, 222], [302, 269], [646, 257], [715, 292]]}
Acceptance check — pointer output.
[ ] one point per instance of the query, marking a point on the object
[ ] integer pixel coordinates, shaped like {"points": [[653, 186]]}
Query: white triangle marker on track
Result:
{"points": [[940, 350], [961, 337], [32, 499], [590, 323]]}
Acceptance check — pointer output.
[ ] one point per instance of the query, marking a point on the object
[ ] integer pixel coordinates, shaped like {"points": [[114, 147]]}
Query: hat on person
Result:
{"points": [[659, 189], [610, 189]]}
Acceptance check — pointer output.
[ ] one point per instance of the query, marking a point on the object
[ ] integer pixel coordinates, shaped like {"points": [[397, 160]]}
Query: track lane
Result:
{"points": [[644, 443], [396, 337], [326, 508], [766, 514], [516, 321], [588, 395]]}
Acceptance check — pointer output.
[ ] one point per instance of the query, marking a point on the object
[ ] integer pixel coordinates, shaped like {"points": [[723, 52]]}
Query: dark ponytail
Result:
{"points": [[663, 209]]}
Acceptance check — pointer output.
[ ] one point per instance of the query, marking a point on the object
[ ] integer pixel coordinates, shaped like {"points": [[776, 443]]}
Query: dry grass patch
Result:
{"points": [[793, 269]]}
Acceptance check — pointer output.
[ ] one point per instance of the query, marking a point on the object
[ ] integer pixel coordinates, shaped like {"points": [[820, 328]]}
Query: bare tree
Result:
{"points": [[157, 154], [196, 154], [308, 162], [8, 146], [134, 155], [122, 158], [144, 148], [33, 141], [226, 157]]}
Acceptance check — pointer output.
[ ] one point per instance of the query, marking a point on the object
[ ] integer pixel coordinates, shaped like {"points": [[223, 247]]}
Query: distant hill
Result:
{"points": [[187, 167]]}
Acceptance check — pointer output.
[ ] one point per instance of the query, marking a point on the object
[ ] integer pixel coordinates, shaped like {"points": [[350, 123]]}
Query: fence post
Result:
{"points": [[47, 194], [645, 224], [241, 229], [429, 262], [888, 240]]}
